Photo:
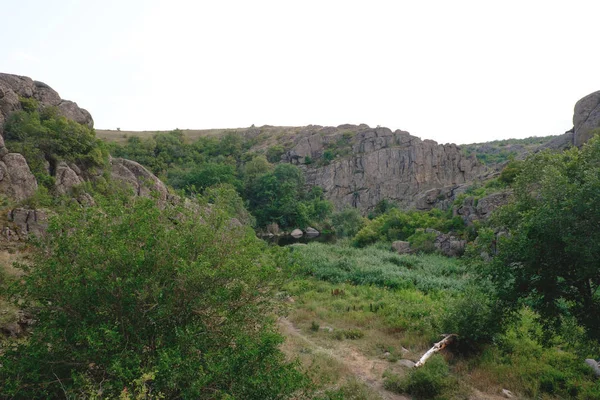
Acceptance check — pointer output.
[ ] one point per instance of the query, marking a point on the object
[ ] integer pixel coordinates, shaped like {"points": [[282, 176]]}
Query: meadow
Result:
{"points": [[358, 315]]}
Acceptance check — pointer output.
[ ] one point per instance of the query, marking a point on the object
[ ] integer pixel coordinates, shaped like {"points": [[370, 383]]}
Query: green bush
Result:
{"points": [[400, 225], [426, 382], [347, 222], [274, 153], [45, 138], [473, 317], [422, 242], [129, 290]]}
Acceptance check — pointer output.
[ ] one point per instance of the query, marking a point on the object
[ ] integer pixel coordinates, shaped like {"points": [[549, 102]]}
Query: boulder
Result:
{"points": [[16, 180], [447, 244], [406, 363], [296, 233], [66, 178], [586, 118], [29, 222], [143, 182], [594, 365], [486, 205], [401, 247], [273, 229], [311, 232], [14, 86]]}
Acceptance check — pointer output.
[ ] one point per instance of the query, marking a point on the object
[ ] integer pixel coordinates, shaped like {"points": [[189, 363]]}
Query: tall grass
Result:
{"points": [[377, 265]]}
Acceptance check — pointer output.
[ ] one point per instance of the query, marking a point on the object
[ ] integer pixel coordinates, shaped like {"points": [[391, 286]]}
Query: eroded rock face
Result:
{"points": [[66, 177], [472, 211], [13, 86], [144, 183], [29, 222], [381, 164], [16, 180], [586, 117]]}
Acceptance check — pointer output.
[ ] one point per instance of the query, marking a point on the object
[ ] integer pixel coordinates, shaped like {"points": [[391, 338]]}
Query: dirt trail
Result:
{"points": [[365, 369]]}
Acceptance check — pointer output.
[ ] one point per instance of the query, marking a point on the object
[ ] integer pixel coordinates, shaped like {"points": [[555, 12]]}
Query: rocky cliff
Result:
{"points": [[586, 118], [369, 165], [16, 180]]}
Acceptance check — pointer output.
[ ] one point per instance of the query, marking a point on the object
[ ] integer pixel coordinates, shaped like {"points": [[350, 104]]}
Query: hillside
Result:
{"points": [[130, 266]]}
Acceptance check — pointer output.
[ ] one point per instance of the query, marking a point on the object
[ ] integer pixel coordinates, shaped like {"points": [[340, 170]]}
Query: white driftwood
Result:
{"points": [[436, 347]]}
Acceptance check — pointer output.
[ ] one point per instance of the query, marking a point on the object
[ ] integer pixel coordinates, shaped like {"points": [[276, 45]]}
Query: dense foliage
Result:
{"points": [[273, 194], [549, 258], [396, 224], [136, 300], [44, 137]]}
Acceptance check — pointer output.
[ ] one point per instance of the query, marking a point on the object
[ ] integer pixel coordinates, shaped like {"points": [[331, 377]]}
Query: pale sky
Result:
{"points": [[452, 71]]}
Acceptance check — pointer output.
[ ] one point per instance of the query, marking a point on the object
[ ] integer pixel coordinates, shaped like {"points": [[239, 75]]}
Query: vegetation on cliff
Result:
{"points": [[45, 138]]}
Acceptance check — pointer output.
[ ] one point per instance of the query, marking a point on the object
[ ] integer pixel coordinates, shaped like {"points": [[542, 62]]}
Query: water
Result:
{"points": [[287, 240]]}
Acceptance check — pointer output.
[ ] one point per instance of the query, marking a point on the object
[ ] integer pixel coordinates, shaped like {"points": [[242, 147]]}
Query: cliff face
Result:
{"points": [[13, 86], [586, 118], [381, 164]]}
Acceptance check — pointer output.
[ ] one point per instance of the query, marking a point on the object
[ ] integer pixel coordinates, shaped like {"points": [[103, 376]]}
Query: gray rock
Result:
{"points": [[16, 180], [406, 363], [29, 222], [401, 247], [296, 233], [486, 205], [586, 118], [508, 394], [143, 182], [311, 232], [593, 365], [13, 86], [66, 178], [381, 164]]}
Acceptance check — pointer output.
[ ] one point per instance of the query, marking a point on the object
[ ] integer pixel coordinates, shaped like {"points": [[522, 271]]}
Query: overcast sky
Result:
{"points": [[452, 71]]}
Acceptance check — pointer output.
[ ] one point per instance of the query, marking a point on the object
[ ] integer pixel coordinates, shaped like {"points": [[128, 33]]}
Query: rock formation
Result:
{"points": [[586, 118], [380, 164], [16, 180], [143, 181], [13, 86]]}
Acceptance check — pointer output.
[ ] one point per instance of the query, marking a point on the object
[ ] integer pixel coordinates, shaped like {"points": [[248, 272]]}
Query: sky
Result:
{"points": [[451, 71]]}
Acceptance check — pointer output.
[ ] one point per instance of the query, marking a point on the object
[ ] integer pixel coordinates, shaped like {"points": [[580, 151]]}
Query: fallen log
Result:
{"points": [[436, 347]]}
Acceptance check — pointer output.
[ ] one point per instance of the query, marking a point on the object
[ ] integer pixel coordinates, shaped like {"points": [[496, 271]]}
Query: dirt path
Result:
{"points": [[368, 370]]}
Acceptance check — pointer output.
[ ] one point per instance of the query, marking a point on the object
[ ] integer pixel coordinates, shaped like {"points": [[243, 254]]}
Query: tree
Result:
{"points": [[167, 302], [550, 257]]}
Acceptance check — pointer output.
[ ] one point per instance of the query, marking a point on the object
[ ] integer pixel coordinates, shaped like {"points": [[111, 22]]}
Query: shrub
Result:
{"points": [[130, 290], [422, 242], [426, 382], [274, 153], [473, 317], [347, 222]]}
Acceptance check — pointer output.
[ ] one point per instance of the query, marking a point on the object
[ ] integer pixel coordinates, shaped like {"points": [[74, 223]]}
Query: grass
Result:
{"points": [[377, 265], [396, 305]]}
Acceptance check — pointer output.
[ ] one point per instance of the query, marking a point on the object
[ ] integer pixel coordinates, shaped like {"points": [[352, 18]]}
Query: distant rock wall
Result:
{"points": [[382, 165]]}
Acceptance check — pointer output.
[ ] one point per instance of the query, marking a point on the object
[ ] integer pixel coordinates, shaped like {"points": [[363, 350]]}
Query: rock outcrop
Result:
{"points": [[472, 210], [586, 118], [16, 180], [29, 222], [14, 86], [144, 183], [377, 164]]}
